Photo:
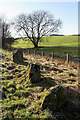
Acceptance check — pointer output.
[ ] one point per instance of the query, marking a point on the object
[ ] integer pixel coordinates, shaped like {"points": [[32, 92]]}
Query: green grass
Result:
{"points": [[60, 41], [20, 43], [59, 45], [69, 41]]}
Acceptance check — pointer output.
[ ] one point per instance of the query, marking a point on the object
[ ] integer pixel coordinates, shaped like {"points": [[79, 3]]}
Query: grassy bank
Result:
{"points": [[23, 100]]}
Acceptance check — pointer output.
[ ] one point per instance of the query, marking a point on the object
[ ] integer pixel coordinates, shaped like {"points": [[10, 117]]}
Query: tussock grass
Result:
{"points": [[23, 100]]}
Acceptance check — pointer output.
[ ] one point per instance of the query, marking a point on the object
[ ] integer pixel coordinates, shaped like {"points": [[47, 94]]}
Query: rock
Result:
{"points": [[54, 98], [33, 73], [18, 56]]}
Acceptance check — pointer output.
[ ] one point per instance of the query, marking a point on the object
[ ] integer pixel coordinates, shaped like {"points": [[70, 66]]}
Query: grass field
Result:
{"points": [[59, 45]]}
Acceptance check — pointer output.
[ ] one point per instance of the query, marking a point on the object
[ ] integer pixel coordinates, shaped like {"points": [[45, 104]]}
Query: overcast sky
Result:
{"points": [[66, 10]]}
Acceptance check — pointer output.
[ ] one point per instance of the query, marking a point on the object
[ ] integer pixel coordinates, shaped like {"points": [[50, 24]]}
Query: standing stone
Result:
{"points": [[33, 73], [18, 56], [54, 98]]}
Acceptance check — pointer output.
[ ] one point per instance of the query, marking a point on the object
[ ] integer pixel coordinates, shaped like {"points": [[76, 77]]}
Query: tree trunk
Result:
{"points": [[35, 45], [3, 43]]}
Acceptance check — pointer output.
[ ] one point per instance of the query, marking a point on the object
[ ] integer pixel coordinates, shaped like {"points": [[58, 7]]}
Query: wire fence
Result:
{"points": [[66, 56]]}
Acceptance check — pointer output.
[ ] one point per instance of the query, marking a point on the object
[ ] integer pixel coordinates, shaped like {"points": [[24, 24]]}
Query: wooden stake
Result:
{"points": [[42, 53], [34, 52], [52, 55], [67, 58]]}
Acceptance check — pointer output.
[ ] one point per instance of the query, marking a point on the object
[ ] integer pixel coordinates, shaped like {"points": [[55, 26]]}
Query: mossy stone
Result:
{"points": [[54, 98], [33, 73], [18, 56]]}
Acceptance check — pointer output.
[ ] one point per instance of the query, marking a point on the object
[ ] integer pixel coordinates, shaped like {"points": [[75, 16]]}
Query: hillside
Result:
{"points": [[71, 41]]}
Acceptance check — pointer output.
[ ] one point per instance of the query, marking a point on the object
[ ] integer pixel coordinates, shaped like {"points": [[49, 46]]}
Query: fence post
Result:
{"points": [[52, 55], [42, 53], [34, 52], [67, 57], [28, 51]]}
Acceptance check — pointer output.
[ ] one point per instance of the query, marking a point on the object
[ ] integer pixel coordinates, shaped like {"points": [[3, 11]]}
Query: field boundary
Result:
{"points": [[52, 55]]}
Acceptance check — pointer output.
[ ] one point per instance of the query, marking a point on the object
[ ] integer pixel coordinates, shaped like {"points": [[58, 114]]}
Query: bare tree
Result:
{"points": [[36, 25], [4, 30]]}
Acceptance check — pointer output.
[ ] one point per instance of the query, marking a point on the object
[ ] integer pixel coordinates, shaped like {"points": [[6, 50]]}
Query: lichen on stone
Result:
{"points": [[54, 98], [33, 73]]}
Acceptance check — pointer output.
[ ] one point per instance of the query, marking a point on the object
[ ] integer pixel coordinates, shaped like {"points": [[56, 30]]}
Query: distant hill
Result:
{"points": [[64, 35], [56, 35], [76, 35]]}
